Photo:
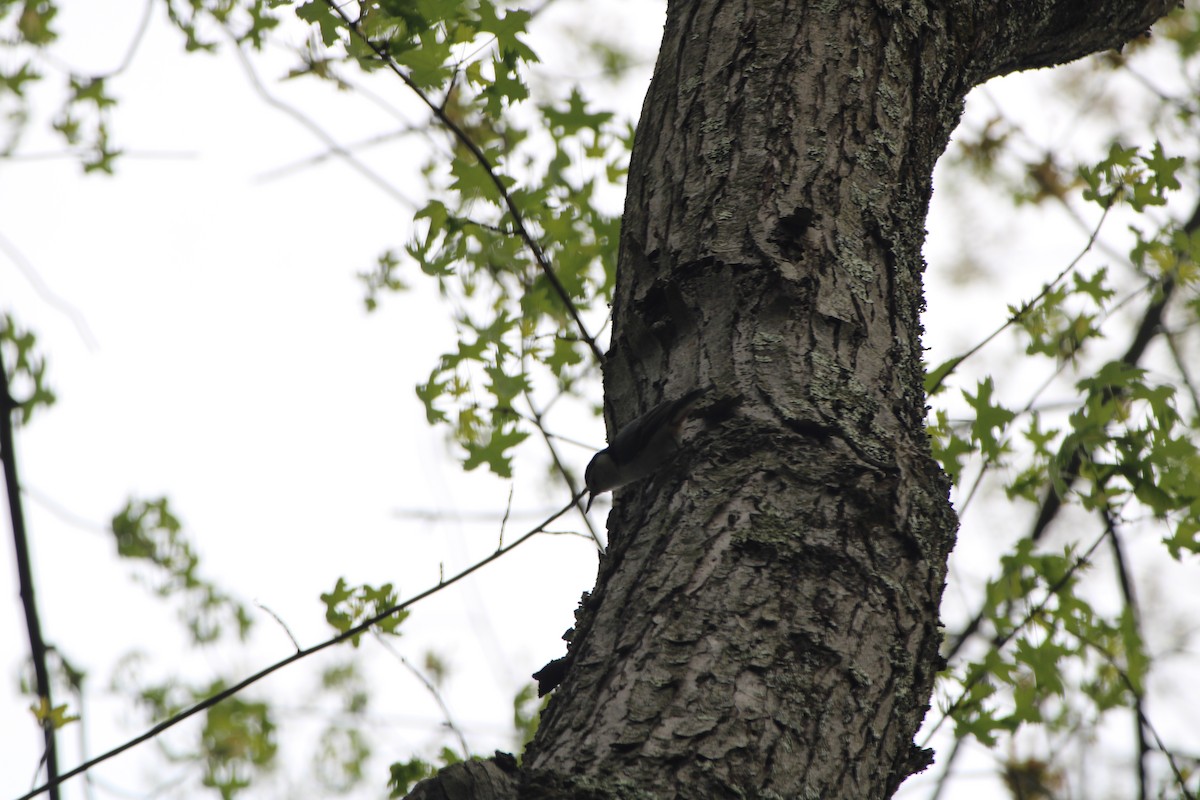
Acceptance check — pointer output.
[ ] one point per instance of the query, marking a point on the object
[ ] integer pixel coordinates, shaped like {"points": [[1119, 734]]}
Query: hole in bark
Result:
{"points": [[790, 230]]}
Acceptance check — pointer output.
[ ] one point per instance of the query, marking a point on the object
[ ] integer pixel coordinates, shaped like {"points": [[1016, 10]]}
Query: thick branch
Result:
{"points": [[1029, 34]]}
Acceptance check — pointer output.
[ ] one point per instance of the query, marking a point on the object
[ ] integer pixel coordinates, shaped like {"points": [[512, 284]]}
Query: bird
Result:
{"points": [[640, 447]]}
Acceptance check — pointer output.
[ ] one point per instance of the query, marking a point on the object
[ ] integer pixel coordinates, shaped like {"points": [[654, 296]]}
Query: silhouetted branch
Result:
{"points": [[16, 515]]}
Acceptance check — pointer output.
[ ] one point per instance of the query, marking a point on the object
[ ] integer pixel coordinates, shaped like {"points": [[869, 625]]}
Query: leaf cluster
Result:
{"points": [[518, 237], [25, 369], [347, 606], [148, 532], [1119, 441]]}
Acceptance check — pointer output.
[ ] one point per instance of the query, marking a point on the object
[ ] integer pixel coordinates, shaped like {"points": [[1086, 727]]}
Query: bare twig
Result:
{"points": [[330, 152], [134, 43], [316, 130], [433, 690], [282, 624], [436, 515], [1181, 365], [561, 468], [1144, 723], [1024, 309], [507, 512], [35, 280]]}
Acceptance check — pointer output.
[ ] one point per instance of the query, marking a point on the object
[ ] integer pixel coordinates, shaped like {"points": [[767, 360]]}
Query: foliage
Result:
{"points": [[26, 369], [348, 606], [1123, 451], [527, 710], [29, 29], [147, 531]]}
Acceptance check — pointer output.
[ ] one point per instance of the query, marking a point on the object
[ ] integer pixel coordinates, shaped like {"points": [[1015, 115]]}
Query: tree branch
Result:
{"points": [[447, 717], [1029, 34], [16, 514], [316, 130], [1125, 578], [561, 468], [947, 369]]}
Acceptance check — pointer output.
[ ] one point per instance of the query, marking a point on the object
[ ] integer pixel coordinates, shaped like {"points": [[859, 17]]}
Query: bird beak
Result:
{"points": [[588, 507]]}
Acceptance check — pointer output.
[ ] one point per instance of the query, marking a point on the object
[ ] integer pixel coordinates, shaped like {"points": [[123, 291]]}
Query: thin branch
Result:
{"points": [[560, 437], [315, 129], [16, 514], [434, 515], [1125, 578], [61, 511], [330, 152], [1143, 720], [1181, 365], [1016, 316], [134, 43], [944, 778], [282, 624], [127, 59], [507, 514], [74, 154], [562, 470], [481, 158], [357, 630], [433, 690], [45, 292]]}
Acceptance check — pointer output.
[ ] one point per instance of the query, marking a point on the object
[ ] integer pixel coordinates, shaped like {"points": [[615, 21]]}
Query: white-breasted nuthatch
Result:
{"points": [[640, 447]]}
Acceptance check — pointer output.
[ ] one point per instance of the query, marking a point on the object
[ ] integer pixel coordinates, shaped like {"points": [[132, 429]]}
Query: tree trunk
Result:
{"points": [[764, 623]]}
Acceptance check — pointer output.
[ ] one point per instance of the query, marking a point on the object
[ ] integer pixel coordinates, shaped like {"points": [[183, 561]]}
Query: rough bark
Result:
{"points": [[764, 623]]}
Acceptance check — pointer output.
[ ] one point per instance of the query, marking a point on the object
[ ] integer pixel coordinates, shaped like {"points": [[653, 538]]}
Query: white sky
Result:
{"points": [[235, 370]]}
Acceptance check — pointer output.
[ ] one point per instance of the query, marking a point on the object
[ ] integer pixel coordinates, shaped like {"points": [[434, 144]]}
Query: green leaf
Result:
{"points": [[15, 82], [56, 717], [148, 531], [427, 63], [318, 13], [27, 384], [575, 117], [504, 387], [991, 419], [494, 451], [428, 393], [403, 774], [935, 380], [347, 607], [507, 29], [950, 449], [34, 22], [237, 734]]}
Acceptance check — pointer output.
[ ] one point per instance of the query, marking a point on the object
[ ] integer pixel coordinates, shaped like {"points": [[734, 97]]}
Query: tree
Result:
{"points": [[765, 621]]}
